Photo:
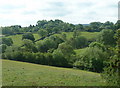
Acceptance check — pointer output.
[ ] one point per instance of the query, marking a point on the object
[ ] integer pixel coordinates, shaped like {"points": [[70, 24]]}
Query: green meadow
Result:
{"points": [[17, 73], [17, 39]]}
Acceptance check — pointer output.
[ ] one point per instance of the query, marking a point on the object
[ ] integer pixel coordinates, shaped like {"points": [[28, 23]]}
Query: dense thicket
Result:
{"points": [[112, 70]]}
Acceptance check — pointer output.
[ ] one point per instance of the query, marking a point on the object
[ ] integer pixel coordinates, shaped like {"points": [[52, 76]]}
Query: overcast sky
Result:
{"points": [[26, 12]]}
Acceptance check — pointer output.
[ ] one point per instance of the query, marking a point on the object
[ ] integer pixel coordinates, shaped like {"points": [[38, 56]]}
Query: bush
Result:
{"points": [[29, 36], [78, 42], [92, 58], [59, 59], [3, 47], [29, 45], [106, 37], [7, 41]]}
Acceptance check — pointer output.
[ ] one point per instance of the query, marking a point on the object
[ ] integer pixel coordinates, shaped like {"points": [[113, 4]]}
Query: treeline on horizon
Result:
{"points": [[59, 26], [100, 54]]}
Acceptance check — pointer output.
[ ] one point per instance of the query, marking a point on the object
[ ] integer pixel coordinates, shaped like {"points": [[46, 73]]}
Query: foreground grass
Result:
{"points": [[26, 74]]}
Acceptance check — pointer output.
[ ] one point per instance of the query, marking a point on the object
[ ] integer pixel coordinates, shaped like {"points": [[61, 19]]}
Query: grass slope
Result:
{"points": [[17, 39], [78, 51], [88, 35], [26, 74]]}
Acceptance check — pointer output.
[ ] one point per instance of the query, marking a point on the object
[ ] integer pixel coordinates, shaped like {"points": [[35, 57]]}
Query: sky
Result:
{"points": [[26, 12]]}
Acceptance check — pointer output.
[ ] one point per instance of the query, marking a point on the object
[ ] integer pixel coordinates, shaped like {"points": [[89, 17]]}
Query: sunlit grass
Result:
{"points": [[17, 39], [26, 74]]}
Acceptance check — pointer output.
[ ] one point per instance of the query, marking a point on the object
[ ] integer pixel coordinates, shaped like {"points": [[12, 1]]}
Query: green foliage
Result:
{"points": [[11, 30], [108, 25], [56, 39], [87, 28], [64, 37], [95, 26], [58, 49], [12, 49], [117, 36], [3, 47], [45, 45], [7, 41], [59, 59], [112, 70], [67, 50], [78, 42], [49, 43], [29, 36], [76, 33], [91, 59], [98, 45], [117, 25], [17, 39], [79, 27], [106, 37], [42, 33], [29, 45]]}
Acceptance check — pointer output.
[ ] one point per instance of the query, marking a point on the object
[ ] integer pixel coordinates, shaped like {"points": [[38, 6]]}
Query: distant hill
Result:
{"points": [[86, 24]]}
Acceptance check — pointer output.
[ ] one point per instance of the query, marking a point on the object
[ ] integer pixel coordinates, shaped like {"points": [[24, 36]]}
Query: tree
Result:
{"points": [[29, 45], [106, 37], [29, 36], [41, 23], [42, 33], [3, 47], [64, 36], [91, 58], [59, 59], [67, 51], [7, 41], [98, 45], [112, 70], [79, 27], [45, 45], [117, 25], [77, 42], [87, 28], [57, 40], [95, 26], [76, 33], [107, 25]]}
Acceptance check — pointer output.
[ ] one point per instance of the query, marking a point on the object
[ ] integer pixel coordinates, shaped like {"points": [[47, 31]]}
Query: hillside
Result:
{"points": [[92, 48], [17, 39], [26, 74]]}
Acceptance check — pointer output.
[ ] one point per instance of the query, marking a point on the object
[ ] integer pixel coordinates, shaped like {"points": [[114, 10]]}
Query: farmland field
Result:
{"points": [[17, 39], [26, 74]]}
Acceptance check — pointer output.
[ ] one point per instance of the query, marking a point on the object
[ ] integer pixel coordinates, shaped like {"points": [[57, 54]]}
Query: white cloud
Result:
{"points": [[26, 12]]}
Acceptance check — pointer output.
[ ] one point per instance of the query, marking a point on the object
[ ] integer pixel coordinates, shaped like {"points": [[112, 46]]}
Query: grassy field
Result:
{"points": [[78, 51], [26, 74], [88, 35], [17, 39]]}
